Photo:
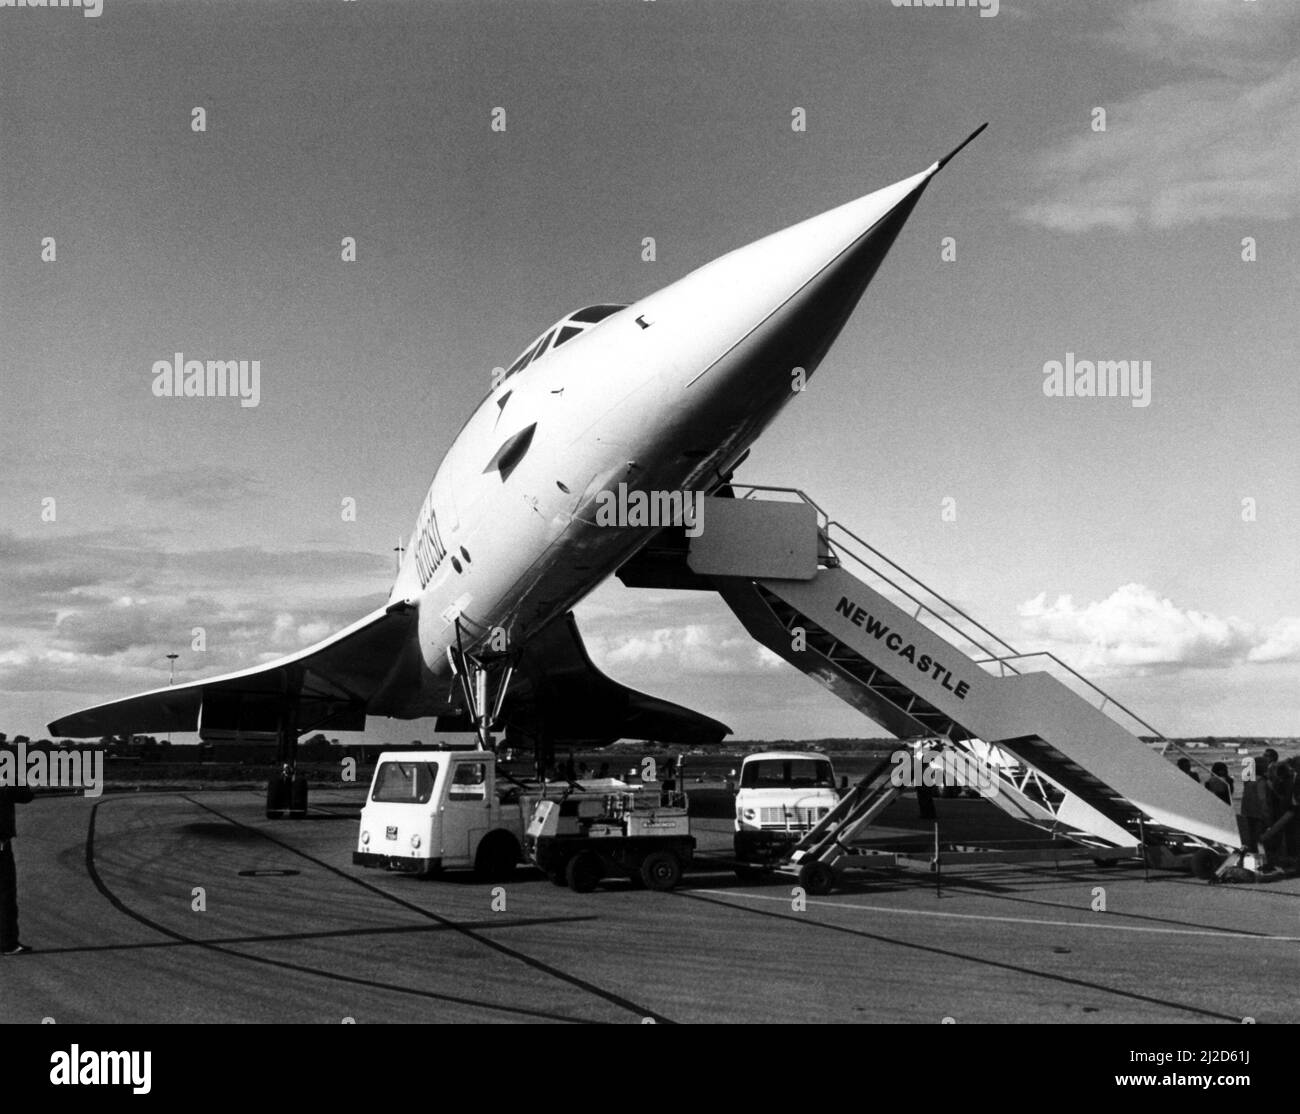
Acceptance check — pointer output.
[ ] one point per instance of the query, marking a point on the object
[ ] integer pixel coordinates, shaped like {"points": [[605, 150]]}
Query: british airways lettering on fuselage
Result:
{"points": [[500, 495], [429, 550]]}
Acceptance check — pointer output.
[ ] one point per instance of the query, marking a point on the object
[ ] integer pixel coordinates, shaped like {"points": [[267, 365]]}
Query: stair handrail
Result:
{"points": [[1106, 697], [826, 524], [1002, 660], [921, 603]]}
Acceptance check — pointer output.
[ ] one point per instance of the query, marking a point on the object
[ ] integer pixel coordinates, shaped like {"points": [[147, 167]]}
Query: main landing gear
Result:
{"points": [[286, 792]]}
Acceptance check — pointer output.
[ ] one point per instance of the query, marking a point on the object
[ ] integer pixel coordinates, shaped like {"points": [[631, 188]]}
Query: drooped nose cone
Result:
{"points": [[836, 252], [750, 317]]}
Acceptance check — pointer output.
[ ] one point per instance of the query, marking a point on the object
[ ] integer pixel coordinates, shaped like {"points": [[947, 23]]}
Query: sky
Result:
{"points": [[1153, 547]]}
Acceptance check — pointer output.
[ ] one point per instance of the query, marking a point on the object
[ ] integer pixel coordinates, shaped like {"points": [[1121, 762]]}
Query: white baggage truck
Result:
{"points": [[436, 809]]}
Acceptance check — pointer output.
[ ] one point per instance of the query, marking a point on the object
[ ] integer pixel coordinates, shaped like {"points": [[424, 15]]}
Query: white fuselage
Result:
{"points": [[665, 395]]}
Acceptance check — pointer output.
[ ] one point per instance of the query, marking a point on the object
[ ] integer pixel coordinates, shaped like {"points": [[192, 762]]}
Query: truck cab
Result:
{"points": [[431, 810], [781, 794]]}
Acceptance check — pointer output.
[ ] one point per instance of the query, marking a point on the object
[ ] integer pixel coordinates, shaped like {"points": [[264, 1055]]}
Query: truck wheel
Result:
{"points": [[817, 878], [497, 856], [660, 870], [583, 872]]}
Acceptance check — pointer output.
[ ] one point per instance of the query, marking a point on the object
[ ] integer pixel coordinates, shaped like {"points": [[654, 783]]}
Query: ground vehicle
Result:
{"points": [[434, 809], [590, 834], [781, 795]]}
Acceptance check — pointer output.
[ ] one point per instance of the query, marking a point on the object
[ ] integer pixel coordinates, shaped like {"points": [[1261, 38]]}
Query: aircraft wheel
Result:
{"points": [[277, 796], [497, 856], [660, 870], [817, 878], [583, 872]]}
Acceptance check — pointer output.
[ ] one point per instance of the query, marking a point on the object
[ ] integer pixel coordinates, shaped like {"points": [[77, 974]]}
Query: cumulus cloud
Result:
{"points": [[1202, 148], [1135, 628], [1281, 643], [690, 649], [1225, 36], [202, 487], [99, 612]]}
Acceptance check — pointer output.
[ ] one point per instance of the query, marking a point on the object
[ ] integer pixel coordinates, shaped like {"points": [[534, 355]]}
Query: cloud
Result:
{"points": [[1281, 643], [690, 649], [99, 612], [201, 487], [1135, 628], [47, 568], [1199, 149], [1224, 36]]}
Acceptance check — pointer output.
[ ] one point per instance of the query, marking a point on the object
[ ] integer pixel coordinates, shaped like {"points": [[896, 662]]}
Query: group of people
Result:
{"points": [[1270, 809], [1269, 821]]}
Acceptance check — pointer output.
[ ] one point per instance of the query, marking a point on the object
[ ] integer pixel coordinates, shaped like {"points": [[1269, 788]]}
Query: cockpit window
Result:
{"points": [[519, 363], [529, 356], [591, 314], [565, 330]]}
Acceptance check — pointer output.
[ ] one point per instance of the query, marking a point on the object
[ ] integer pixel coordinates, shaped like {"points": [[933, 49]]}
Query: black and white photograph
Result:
{"points": [[704, 512]]}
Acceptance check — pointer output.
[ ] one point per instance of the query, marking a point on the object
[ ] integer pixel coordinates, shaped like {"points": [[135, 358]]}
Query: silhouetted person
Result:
{"points": [[1278, 839], [1220, 783], [1185, 764], [1256, 805], [10, 795], [668, 787]]}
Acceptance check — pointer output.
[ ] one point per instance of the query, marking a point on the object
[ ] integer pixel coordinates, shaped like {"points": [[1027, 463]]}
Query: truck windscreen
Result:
{"points": [[787, 774], [408, 783]]}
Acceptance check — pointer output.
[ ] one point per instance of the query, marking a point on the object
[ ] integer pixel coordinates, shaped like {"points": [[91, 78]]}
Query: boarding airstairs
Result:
{"points": [[830, 841], [836, 608]]}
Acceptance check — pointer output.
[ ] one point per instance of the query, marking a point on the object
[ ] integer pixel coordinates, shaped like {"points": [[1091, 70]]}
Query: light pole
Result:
{"points": [[171, 679]]}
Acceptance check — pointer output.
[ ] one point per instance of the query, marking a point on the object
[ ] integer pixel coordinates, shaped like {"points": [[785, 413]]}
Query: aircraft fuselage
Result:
{"points": [[664, 395]]}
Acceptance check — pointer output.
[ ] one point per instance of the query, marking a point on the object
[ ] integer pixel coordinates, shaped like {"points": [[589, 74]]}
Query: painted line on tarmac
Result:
{"points": [[1213, 932], [711, 897], [334, 976], [644, 1012]]}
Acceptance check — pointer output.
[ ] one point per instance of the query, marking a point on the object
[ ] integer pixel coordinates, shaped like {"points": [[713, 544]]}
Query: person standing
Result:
{"points": [[1256, 804], [1220, 782], [10, 795]]}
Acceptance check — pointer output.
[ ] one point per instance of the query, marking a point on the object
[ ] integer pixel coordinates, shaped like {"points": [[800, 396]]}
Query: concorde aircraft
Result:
{"points": [[665, 395]]}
